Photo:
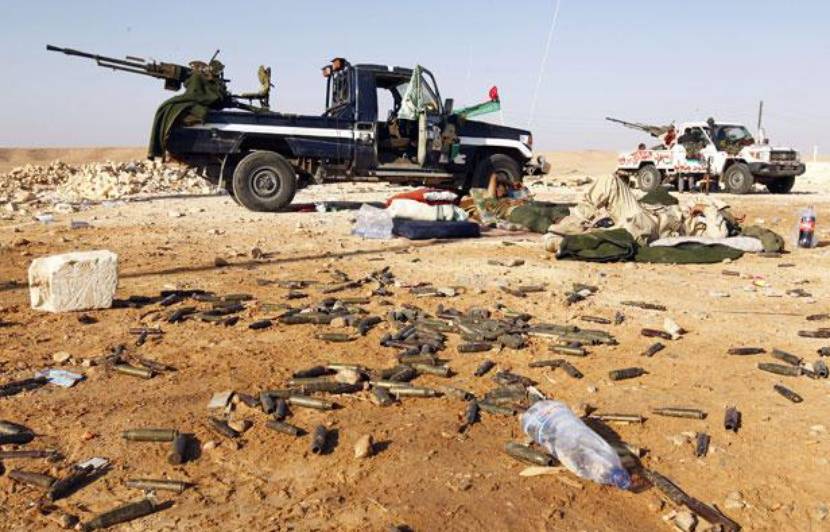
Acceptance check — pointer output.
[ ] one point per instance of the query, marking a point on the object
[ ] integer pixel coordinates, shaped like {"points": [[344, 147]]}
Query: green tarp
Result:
{"points": [[615, 245], [538, 216], [191, 106], [771, 240]]}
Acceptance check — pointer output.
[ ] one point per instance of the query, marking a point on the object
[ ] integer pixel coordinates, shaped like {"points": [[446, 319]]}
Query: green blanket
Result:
{"points": [[193, 104], [610, 245], [615, 245]]}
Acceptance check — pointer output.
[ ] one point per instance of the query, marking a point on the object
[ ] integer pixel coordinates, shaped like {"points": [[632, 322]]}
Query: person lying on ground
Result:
{"points": [[611, 202], [510, 203]]}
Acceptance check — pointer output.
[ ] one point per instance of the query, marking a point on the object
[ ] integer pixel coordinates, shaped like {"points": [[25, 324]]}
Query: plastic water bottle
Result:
{"points": [[552, 425], [807, 229], [373, 223]]}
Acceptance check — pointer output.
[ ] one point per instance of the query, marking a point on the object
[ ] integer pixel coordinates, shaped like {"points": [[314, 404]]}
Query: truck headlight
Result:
{"points": [[527, 140]]}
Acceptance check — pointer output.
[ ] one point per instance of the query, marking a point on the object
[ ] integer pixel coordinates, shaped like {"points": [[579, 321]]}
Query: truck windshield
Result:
{"points": [[733, 135]]}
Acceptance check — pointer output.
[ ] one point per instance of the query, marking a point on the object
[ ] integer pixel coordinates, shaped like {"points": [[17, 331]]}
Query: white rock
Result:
{"points": [[80, 280], [364, 447], [61, 356], [685, 521]]}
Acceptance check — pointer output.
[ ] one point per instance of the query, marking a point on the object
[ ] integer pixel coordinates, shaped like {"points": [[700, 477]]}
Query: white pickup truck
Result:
{"points": [[723, 152]]}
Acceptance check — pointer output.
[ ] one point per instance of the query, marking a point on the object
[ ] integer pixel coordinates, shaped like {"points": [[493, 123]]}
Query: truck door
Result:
{"points": [[365, 124]]}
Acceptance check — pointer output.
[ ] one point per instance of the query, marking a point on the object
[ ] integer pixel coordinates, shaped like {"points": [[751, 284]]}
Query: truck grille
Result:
{"points": [[782, 156]]}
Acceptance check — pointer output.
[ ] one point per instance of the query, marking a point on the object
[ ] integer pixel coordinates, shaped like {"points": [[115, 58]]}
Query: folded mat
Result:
{"points": [[423, 230]]}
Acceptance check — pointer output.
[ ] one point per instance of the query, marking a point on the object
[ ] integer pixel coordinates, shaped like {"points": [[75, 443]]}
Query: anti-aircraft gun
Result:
{"points": [[174, 75], [654, 131]]}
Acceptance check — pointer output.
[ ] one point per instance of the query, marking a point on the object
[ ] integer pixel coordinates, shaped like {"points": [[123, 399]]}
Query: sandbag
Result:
{"points": [[423, 230]]}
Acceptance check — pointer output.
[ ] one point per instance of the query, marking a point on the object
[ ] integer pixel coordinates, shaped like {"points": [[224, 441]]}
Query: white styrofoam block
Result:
{"points": [[80, 280]]}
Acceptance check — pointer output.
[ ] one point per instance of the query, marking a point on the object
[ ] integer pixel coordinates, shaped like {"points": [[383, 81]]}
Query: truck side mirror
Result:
{"points": [[448, 103]]}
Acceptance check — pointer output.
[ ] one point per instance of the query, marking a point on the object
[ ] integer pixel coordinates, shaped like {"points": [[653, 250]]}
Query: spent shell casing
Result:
{"points": [[618, 418], [381, 396], [267, 403], [221, 426], [158, 367], [653, 349], [402, 374], [575, 351], [149, 484], [133, 371], [30, 453], [484, 367], [149, 434], [441, 371], [8, 427], [821, 333], [596, 319], [180, 314], [285, 428], [33, 479], [301, 381], [122, 514], [626, 373], [281, 393], [780, 369], [545, 363], [388, 384], [743, 351], [458, 393], [17, 438], [655, 333], [310, 402], [67, 485], [691, 413], [315, 371], [178, 450], [318, 442], [702, 444], [280, 409], [335, 337], [820, 369], [331, 387], [412, 391], [248, 400], [260, 324], [732, 419], [419, 358], [526, 454], [471, 413], [786, 357], [569, 368], [788, 394], [475, 347], [499, 410], [338, 366]]}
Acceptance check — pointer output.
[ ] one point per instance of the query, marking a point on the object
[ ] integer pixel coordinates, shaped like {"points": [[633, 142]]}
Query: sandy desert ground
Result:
{"points": [[770, 475]]}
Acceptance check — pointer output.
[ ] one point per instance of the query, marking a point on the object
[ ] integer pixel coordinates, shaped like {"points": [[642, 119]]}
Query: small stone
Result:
{"points": [[821, 512], [338, 322], [514, 263], [685, 521], [347, 376], [209, 445], [61, 356], [175, 214], [447, 291], [815, 430], [86, 436], [219, 262], [734, 501], [656, 505], [364, 447], [257, 253], [592, 389], [240, 425], [63, 520]]}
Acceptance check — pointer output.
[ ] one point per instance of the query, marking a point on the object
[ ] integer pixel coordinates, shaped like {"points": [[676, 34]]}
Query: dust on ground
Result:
{"points": [[426, 474]]}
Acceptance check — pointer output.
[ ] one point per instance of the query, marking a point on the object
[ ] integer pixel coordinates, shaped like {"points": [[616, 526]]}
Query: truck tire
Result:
{"points": [[264, 181], [649, 178], [503, 165], [782, 185], [738, 179]]}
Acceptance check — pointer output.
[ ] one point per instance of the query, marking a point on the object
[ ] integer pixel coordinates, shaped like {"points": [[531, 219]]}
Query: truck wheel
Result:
{"points": [[738, 179], [781, 185], [649, 178], [264, 181], [503, 165]]}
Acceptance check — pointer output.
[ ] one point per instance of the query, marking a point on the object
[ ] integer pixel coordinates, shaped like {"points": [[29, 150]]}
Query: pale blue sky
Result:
{"points": [[638, 60]]}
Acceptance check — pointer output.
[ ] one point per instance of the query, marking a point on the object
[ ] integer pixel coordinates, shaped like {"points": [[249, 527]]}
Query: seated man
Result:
{"points": [[503, 201], [656, 216]]}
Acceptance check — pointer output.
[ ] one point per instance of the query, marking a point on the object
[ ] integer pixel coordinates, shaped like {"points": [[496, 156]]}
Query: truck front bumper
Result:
{"points": [[777, 169], [538, 167]]}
